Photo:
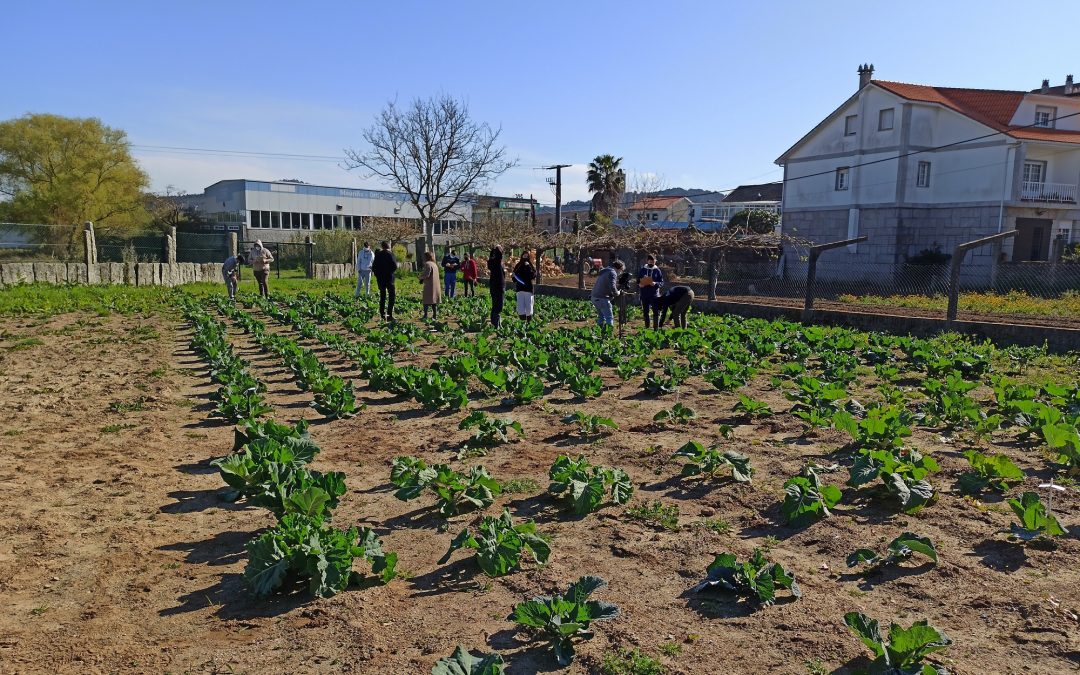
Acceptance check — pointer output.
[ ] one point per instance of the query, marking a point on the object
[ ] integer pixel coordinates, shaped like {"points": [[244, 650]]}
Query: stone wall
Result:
{"points": [[130, 274], [334, 271]]}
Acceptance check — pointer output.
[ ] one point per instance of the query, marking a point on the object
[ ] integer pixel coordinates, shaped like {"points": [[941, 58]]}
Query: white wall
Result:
{"points": [[1025, 112]]}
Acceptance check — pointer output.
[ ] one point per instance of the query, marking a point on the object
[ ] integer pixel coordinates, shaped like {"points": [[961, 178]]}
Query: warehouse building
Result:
{"points": [[276, 211]]}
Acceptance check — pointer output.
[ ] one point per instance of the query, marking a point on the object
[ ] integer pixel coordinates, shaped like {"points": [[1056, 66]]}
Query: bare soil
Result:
{"points": [[117, 555]]}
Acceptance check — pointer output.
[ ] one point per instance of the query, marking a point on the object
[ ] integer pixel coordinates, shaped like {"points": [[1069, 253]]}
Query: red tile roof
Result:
{"points": [[991, 107], [654, 203]]}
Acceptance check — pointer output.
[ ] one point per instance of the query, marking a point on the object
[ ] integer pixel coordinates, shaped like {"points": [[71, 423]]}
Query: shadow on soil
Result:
{"points": [[191, 501], [521, 657], [883, 575], [460, 575], [230, 600], [224, 548], [1000, 555]]}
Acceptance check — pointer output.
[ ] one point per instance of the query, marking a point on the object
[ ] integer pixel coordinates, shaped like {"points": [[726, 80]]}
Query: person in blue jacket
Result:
{"points": [[650, 283]]}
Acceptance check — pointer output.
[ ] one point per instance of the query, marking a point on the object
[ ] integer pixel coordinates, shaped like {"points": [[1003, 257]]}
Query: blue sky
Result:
{"points": [[700, 94]]}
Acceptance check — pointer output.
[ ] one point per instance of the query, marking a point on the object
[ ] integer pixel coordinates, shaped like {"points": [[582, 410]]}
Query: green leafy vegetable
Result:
{"points": [[708, 462], [584, 485], [561, 618], [756, 579], [461, 662], [498, 544], [900, 549], [994, 472], [806, 500], [904, 651], [1035, 522]]}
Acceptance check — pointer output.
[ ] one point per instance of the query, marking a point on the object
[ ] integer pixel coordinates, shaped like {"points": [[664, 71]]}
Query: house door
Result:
{"points": [[1032, 239]]}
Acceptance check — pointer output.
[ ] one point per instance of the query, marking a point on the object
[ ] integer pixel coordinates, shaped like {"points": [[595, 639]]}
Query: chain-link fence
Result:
{"points": [[29, 242]]}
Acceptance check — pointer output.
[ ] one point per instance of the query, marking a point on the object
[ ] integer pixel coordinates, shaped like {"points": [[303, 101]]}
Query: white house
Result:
{"points": [[918, 167]]}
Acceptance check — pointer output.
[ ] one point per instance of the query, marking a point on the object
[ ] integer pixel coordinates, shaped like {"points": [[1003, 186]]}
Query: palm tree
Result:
{"points": [[607, 182]]}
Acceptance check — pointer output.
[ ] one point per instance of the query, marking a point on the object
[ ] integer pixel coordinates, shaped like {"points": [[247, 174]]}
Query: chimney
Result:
{"points": [[866, 72], [1045, 87], [1068, 85]]}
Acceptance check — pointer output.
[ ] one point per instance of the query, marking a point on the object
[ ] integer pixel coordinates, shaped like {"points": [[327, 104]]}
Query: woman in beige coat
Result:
{"points": [[432, 292]]}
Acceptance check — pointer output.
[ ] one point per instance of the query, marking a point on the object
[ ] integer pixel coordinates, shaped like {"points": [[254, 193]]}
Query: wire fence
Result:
{"points": [[33, 242]]}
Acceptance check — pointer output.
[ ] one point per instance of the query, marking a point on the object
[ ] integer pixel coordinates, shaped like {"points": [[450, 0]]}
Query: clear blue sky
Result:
{"points": [[703, 94]]}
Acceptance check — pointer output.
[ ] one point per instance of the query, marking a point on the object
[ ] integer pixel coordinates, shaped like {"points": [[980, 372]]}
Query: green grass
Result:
{"points": [[1012, 302], [114, 428], [134, 405], [655, 513], [515, 485], [24, 343], [630, 662], [671, 649], [717, 525]]}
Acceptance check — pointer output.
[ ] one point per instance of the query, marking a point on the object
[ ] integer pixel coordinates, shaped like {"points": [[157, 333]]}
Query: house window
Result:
{"points": [[850, 125], [842, 179], [922, 178], [885, 119], [275, 219], [654, 216], [1034, 172], [1045, 116]]}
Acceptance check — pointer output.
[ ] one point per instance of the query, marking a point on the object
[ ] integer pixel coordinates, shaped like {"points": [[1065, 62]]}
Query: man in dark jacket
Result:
{"points": [[450, 265], [650, 280], [678, 300], [604, 291], [383, 268], [496, 283]]}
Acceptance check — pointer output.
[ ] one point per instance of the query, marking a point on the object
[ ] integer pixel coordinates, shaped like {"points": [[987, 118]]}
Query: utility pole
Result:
{"points": [[558, 194]]}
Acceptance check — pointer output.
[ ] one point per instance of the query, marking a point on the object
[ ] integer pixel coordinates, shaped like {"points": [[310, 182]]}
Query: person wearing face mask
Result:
{"points": [[650, 282]]}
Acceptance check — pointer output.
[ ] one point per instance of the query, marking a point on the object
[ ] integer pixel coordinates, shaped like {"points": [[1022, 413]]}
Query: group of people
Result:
{"points": [[613, 281], [260, 258]]}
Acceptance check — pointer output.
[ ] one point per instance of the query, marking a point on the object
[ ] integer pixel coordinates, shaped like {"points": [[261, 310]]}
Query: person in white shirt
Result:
{"points": [[363, 269]]}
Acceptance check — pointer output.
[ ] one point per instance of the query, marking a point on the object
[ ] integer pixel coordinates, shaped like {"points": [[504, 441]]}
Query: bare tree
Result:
{"points": [[393, 230], [434, 152]]}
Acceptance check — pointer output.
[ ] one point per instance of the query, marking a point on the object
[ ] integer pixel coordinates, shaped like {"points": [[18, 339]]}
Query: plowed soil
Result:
{"points": [[117, 554]]}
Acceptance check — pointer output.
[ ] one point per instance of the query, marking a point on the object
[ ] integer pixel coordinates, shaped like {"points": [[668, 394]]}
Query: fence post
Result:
{"points": [[170, 252], [232, 244], [811, 272], [712, 274], [90, 254], [309, 257], [352, 251], [954, 273]]}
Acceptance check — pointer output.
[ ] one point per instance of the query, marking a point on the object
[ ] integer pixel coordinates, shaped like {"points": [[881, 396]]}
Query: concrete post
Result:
{"points": [[90, 255], [712, 274], [353, 251], [309, 257], [91, 251], [232, 244], [170, 252]]}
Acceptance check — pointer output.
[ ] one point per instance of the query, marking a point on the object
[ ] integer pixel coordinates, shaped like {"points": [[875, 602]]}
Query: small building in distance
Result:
{"points": [[713, 211]]}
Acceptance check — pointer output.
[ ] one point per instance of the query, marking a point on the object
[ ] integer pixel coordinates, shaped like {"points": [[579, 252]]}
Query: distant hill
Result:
{"points": [[629, 198]]}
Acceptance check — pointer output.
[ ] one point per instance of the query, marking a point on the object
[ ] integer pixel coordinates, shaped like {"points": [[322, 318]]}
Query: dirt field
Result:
{"points": [[116, 554]]}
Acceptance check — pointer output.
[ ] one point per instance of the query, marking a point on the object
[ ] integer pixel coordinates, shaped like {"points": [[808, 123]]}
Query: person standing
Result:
{"points": [[496, 283], [430, 276], [650, 280], [364, 259], [678, 300], [383, 267], [604, 291], [469, 274], [523, 276], [261, 257], [450, 264], [230, 272]]}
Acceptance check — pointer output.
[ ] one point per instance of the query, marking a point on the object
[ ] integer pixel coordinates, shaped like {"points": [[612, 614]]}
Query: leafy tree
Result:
{"points": [[65, 171], [607, 182], [432, 150], [756, 221]]}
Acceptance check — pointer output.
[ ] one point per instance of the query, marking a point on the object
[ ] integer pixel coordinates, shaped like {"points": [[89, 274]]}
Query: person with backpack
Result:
{"points": [[363, 269], [523, 276], [604, 291], [496, 282], [650, 280], [383, 267]]}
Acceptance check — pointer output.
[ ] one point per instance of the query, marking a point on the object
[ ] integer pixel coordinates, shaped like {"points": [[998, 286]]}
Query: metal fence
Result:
{"points": [[32, 242]]}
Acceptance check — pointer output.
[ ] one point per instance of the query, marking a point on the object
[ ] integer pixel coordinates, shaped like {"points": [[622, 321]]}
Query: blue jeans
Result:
{"points": [[363, 279], [604, 315], [449, 283]]}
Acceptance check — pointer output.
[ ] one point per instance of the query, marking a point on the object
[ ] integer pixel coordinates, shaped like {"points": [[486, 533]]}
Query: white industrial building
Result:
{"points": [[275, 211]]}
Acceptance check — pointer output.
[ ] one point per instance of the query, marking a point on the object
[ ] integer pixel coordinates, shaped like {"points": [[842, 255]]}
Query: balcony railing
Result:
{"points": [[1053, 193]]}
